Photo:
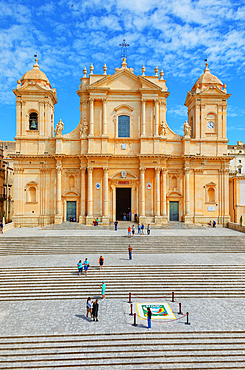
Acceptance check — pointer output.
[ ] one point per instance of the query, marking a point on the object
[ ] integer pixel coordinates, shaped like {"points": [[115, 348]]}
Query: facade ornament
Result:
{"points": [[187, 129], [91, 69], [105, 69], [84, 128], [123, 174], [163, 129], [156, 71], [161, 74], [59, 128], [143, 70]]}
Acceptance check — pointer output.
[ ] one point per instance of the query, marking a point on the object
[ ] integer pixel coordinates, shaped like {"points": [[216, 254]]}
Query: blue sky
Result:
{"points": [[175, 35]]}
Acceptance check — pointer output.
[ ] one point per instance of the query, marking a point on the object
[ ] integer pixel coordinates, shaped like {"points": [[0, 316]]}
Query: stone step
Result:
{"points": [[194, 281], [182, 350]]}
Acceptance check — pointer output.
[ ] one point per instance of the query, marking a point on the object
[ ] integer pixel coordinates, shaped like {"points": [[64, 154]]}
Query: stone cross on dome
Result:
{"points": [[124, 47]]}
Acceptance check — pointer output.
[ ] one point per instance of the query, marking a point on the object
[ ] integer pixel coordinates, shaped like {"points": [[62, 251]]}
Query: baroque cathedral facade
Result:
{"points": [[122, 159]]}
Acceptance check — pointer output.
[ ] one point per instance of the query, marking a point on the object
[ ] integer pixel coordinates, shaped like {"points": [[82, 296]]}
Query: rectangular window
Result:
{"points": [[123, 126]]}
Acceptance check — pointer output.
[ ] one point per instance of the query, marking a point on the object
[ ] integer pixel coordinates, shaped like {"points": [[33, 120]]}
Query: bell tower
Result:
{"points": [[207, 109], [35, 100]]}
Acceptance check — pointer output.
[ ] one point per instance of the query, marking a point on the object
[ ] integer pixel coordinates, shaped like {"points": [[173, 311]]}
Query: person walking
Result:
{"points": [[148, 229], [129, 231], [89, 307], [139, 228], [103, 286], [116, 224], [130, 249], [133, 230], [80, 267], [149, 317], [214, 223], [86, 266], [1, 227], [95, 310], [101, 262], [142, 229]]}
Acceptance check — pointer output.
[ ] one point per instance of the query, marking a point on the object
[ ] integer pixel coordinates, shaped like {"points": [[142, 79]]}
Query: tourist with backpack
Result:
{"points": [[101, 262]]}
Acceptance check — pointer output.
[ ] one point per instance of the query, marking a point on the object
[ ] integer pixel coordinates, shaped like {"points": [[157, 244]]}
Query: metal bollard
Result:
{"points": [[134, 324], [187, 318], [131, 306], [172, 296], [179, 313], [129, 298]]}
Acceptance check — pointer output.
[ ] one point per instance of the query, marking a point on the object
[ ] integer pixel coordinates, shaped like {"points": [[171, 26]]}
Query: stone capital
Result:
{"points": [[142, 169], [90, 169], [105, 169], [91, 100]]}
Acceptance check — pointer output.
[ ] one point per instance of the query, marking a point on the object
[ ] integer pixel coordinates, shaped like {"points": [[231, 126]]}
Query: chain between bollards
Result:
{"points": [[172, 296], [187, 318], [134, 324], [129, 297], [180, 312]]}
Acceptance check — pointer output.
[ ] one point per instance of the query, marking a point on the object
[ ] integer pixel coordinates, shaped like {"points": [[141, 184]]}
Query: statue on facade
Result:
{"points": [[163, 128], [187, 129], [84, 128], [59, 128]]}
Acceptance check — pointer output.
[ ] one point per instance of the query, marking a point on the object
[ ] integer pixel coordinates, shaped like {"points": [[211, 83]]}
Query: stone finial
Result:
{"points": [[18, 82], [206, 69], [36, 65], [91, 69], [161, 74], [143, 70], [124, 63], [105, 69], [224, 86], [156, 71], [84, 72]]}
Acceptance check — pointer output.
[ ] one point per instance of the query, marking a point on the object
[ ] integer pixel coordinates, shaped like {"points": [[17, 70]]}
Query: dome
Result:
{"points": [[36, 75], [207, 79]]}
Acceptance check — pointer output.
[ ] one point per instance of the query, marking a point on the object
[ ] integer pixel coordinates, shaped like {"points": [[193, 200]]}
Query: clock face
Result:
{"points": [[210, 124]]}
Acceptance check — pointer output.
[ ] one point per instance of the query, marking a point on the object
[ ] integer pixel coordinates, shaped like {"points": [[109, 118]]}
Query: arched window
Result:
{"points": [[123, 126], [211, 195], [33, 121], [32, 195]]}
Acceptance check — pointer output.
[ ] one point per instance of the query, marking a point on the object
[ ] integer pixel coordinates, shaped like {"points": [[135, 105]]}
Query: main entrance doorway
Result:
{"points": [[174, 211], [123, 203], [71, 210]]}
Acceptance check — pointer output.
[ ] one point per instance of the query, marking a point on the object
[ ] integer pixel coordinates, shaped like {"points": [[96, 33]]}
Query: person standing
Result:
{"points": [[101, 262], [142, 229], [130, 249], [133, 230], [1, 227], [80, 267], [86, 266], [139, 228], [89, 307], [116, 223], [129, 231], [135, 217], [129, 216], [103, 286], [95, 310], [149, 317], [148, 229]]}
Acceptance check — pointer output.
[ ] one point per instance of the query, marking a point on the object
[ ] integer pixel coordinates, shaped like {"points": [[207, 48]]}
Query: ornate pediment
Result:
{"points": [[174, 193], [71, 194], [124, 175]]}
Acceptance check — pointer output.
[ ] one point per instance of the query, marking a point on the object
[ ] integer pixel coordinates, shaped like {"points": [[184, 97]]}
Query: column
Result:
{"points": [[82, 191], [164, 193], [91, 119], [18, 117], [113, 203], [104, 117], [143, 117], [58, 189], [24, 125], [157, 181], [142, 191], [105, 192], [187, 201], [90, 191], [156, 133]]}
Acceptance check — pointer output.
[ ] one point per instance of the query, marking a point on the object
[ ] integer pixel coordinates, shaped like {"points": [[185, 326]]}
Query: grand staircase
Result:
{"points": [[193, 350]]}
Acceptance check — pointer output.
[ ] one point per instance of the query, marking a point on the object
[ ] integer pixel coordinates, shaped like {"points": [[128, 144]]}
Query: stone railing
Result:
{"points": [[237, 227], [8, 226]]}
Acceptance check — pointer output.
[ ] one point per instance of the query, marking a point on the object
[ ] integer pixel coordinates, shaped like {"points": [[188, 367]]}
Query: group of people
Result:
{"points": [[212, 224], [96, 221], [93, 307], [141, 228], [85, 265]]}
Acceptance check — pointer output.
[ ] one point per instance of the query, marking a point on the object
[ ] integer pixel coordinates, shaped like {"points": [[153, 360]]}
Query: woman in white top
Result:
{"points": [[89, 307]]}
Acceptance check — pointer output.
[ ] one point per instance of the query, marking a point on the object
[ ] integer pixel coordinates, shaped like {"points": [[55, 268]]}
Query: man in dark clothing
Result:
{"points": [[130, 249], [95, 310]]}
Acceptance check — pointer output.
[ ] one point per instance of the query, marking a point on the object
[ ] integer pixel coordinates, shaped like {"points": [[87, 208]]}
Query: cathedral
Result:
{"points": [[122, 161]]}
